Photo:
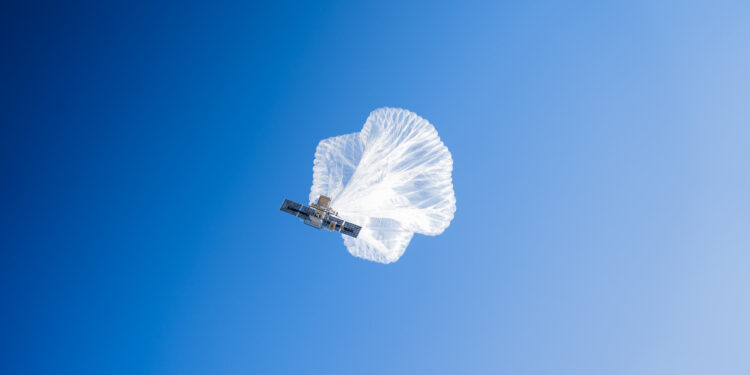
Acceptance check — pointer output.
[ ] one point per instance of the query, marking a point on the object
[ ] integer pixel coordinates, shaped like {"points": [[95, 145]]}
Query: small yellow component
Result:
{"points": [[323, 201]]}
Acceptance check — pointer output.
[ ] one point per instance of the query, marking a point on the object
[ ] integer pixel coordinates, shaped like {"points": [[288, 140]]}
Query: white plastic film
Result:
{"points": [[393, 179]]}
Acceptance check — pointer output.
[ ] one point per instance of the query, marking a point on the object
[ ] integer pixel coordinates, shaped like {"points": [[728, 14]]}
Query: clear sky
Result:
{"points": [[601, 169]]}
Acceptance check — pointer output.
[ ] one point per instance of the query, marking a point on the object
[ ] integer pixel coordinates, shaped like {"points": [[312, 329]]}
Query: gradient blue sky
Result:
{"points": [[601, 168]]}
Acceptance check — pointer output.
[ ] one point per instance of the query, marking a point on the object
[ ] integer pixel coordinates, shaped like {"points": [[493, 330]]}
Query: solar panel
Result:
{"points": [[295, 209], [351, 229]]}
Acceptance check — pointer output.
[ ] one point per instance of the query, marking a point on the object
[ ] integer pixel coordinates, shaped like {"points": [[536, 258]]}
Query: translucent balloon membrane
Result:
{"points": [[393, 178]]}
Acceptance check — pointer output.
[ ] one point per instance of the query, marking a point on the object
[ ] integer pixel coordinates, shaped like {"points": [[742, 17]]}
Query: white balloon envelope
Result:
{"points": [[393, 178]]}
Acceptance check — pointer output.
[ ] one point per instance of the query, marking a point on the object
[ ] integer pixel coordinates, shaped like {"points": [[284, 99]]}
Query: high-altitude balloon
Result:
{"points": [[393, 178]]}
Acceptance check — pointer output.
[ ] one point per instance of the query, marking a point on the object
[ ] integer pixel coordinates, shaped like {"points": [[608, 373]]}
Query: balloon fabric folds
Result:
{"points": [[393, 178]]}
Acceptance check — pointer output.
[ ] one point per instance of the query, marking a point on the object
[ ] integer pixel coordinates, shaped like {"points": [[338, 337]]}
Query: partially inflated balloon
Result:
{"points": [[393, 178]]}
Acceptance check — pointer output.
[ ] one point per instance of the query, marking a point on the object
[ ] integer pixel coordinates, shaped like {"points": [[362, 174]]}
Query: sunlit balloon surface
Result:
{"points": [[393, 178]]}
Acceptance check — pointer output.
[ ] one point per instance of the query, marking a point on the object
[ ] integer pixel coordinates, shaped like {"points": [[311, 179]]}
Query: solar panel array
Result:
{"points": [[351, 229], [296, 209]]}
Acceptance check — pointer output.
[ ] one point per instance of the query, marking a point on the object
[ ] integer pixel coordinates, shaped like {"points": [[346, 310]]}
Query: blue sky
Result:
{"points": [[600, 169]]}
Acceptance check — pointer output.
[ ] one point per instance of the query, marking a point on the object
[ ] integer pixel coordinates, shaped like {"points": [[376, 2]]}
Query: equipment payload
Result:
{"points": [[321, 216]]}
